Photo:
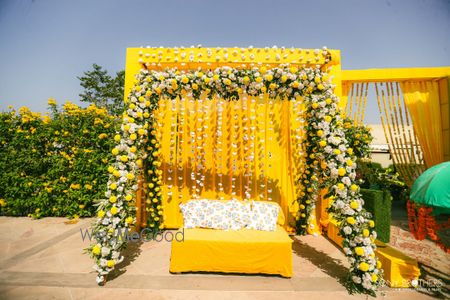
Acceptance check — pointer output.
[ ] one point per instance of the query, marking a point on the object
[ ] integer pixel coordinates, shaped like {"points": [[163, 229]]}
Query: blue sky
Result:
{"points": [[45, 44]]}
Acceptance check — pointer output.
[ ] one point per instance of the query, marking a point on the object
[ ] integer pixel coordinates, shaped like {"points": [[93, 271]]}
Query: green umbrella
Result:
{"points": [[432, 188]]}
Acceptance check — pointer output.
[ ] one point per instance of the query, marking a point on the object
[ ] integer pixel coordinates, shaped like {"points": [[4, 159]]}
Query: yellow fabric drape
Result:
{"points": [[249, 148], [422, 101]]}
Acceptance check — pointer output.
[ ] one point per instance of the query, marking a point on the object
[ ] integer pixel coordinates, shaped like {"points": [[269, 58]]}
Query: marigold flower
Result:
{"points": [[363, 266], [351, 220], [359, 251]]}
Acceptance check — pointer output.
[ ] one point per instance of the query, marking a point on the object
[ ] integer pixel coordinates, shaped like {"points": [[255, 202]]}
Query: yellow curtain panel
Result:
{"points": [[246, 148], [422, 100]]}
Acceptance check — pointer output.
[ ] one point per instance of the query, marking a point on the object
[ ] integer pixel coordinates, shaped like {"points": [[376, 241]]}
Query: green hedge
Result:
{"points": [[54, 164], [378, 203]]}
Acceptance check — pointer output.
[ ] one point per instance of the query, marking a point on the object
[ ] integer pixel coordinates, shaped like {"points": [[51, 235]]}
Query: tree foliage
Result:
{"points": [[103, 90]]}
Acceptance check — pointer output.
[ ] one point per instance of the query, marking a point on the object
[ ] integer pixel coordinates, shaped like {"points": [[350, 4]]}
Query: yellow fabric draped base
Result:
{"points": [[248, 148]]}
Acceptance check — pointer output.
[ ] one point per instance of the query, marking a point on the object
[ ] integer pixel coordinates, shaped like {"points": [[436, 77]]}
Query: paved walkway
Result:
{"points": [[43, 259]]}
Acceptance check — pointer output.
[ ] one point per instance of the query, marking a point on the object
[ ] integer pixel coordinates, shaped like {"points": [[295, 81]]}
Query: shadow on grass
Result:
{"points": [[130, 254], [328, 265]]}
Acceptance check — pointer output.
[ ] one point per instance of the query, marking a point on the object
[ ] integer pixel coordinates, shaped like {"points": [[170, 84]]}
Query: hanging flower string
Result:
{"points": [[331, 162]]}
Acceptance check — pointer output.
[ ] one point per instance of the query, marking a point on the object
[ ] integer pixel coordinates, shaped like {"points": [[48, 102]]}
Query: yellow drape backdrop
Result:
{"points": [[249, 148], [422, 101]]}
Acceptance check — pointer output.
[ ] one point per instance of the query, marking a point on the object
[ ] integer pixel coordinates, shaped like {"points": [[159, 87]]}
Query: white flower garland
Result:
{"points": [[330, 160]]}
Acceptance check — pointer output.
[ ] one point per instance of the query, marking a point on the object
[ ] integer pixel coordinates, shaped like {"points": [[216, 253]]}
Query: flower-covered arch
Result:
{"points": [[330, 162]]}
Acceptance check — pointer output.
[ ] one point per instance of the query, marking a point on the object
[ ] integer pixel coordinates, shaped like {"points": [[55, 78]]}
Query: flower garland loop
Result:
{"points": [[330, 163]]}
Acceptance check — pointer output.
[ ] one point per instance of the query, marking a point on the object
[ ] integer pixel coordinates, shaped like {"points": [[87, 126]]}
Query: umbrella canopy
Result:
{"points": [[432, 188]]}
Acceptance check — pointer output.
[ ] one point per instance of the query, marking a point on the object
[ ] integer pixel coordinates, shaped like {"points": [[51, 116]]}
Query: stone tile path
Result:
{"points": [[43, 259]]}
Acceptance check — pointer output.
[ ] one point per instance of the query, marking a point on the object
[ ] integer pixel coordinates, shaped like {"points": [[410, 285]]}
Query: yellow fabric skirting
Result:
{"points": [[399, 269], [242, 251]]}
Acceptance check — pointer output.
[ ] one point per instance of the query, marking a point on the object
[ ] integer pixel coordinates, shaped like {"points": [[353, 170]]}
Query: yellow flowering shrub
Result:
{"points": [[54, 164]]}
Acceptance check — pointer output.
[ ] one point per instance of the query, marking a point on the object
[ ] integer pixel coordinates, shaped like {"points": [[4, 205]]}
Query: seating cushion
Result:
{"points": [[242, 251]]}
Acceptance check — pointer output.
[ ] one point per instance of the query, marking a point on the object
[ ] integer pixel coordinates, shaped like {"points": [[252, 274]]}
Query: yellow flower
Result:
{"points": [[284, 78], [340, 186], [349, 162], [269, 77], [366, 232], [327, 119], [124, 158], [130, 176], [133, 136], [139, 163], [263, 70], [354, 187], [246, 79], [113, 199], [115, 151], [359, 251], [350, 151], [128, 197], [2, 203], [374, 277], [110, 263], [341, 172], [354, 204], [195, 86], [113, 186], [113, 210], [323, 164], [322, 143], [328, 101], [141, 131], [184, 79], [88, 186], [337, 151], [364, 266], [295, 84], [302, 206], [51, 101], [227, 81], [319, 132], [258, 79], [379, 264], [96, 250], [317, 79], [293, 69], [320, 87], [110, 169], [101, 214], [102, 136], [315, 105], [351, 220], [371, 224], [116, 173], [263, 89]]}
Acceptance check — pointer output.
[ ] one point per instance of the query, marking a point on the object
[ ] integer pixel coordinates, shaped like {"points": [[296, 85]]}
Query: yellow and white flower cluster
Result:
{"points": [[331, 164]]}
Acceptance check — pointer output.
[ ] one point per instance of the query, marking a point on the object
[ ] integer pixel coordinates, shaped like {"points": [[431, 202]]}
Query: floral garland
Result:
{"points": [[331, 164], [330, 158]]}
